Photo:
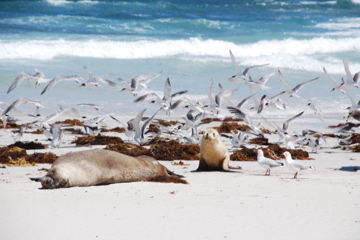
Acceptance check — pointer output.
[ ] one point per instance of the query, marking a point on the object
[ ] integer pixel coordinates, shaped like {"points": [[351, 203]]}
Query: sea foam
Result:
{"points": [[289, 53]]}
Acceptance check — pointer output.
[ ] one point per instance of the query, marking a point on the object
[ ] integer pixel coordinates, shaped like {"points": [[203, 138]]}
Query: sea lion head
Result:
{"points": [[210, 134], [47, 182]]}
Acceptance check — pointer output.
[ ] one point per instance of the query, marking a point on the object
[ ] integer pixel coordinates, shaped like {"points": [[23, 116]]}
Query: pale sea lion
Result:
{"points": [[214, 156], [99, 167]]}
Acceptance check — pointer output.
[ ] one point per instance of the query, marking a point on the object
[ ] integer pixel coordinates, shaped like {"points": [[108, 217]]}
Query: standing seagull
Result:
{"points": [[38, 77], [267, 163], [295, 165], [240, 75]]}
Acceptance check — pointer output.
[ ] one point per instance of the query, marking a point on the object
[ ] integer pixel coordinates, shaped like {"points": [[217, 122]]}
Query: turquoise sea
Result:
{"points": [[189, 41]]}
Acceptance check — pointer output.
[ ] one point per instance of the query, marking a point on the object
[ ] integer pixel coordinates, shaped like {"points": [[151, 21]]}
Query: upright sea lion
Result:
{"points": [[97, 167], [213, 154]]}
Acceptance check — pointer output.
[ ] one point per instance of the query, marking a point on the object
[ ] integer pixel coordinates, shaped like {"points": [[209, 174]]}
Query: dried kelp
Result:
{"points": [[173, 150], [273, 151], [28, 145], [97, 140], [16, 156], [11, 153], [128, 149], [226, 127], [71, 122]]}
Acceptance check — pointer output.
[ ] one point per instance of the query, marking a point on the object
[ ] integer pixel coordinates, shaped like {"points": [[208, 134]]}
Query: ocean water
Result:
{"points": [[188, 41]]}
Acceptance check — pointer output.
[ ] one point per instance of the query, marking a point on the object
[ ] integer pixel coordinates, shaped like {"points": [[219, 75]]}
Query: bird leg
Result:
{"points": [[295, 176]]}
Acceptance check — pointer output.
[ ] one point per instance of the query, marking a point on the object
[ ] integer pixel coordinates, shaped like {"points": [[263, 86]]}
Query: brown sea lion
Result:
{"points": [[214, 156], [98, 167]]}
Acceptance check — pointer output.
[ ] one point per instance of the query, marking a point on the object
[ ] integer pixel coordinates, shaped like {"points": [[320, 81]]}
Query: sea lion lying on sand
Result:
{"points": [[214, 155], [98, 167]]}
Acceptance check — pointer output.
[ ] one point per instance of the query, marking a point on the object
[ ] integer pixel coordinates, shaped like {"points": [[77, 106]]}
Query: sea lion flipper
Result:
{"points": [[172, 173], [35, 179], [225, 163], [202, 165]]}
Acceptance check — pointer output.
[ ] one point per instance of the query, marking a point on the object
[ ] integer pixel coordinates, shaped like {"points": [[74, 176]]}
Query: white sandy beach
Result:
{"points": [[320, 204]]}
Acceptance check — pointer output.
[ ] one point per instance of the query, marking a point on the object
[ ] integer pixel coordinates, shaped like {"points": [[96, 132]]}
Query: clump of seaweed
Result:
{"points": [[173, 150], [37, 131], [97, 140], [245, 154], [19, 162], [356, 148], [260, 141], [226, 127], [11, 153], [28, 145], [9, 125], [155, 140], [273, 151], [116, 129], [209, 120], [230, 119], [267, 131], [128, 149], [41, 157], [180, 163], [16, 156], [72, 122], [167, 123], [355, 138], [76, 131], [330, 135], [153, 129], [345, 124]]}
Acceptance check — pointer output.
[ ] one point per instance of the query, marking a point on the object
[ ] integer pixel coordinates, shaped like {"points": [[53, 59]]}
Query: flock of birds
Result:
{"points": [[218, 105]]}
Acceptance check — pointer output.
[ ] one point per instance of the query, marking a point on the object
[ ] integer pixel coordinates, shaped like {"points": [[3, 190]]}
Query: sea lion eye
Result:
{"points": [[214, 134]]}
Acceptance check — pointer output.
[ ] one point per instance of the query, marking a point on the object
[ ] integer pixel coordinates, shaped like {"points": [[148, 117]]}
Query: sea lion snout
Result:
{"points": [[47, 182], [209, 135], [206, 136]]}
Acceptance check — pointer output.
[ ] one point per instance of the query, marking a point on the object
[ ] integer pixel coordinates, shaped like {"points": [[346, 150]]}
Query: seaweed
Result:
{"points": [[155, 140], [72, 122], [75, 131], [260, 141], [19, 162], [173, 150], [97, 140], [356, 148], [273, 151], [245, 154], [41, 158], [37, 131], [11, 153], [355, 138], [152, 129], [116, 129], [345, 124], [16, 156], [167, 123], [128, 149], [28, 145], [226, 127]]}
